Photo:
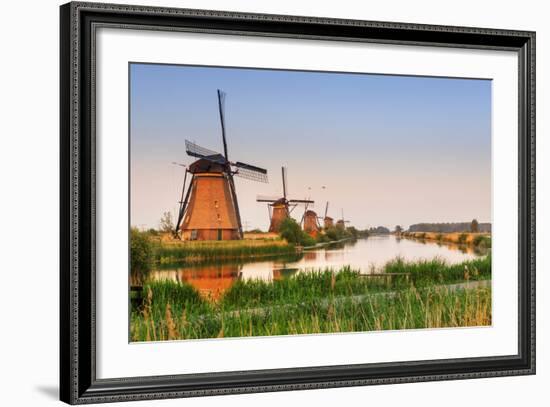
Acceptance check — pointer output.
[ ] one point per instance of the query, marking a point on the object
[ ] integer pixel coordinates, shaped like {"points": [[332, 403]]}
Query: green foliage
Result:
{"points": [[482, 242], [336, 233], [322, 238], [141, 252], [462, 238], [291, 231], [352, 231]]}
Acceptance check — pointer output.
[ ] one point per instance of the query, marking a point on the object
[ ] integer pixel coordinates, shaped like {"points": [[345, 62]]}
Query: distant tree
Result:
{"points": [[474, 226], [352, 230], [398, 229], [291, 231], [166, 223]]}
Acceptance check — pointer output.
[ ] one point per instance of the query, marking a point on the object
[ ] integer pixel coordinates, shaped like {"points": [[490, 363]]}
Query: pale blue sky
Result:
{"points": [[389, 149]]}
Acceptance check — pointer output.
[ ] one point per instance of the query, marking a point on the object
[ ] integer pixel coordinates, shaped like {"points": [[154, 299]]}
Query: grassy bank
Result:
{"points": [[475, 239], [319, 301], [201, 251], [408, 309], [147, 249]]}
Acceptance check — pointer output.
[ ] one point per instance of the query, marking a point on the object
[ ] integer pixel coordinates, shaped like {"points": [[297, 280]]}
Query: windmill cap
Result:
{"points": [[203, 165]]}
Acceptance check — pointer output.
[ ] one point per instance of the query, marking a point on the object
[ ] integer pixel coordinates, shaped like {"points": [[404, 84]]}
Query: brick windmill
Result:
{"points": [[328, 222], [280, 208], [341, 223], [311, 223], [210, 210]]}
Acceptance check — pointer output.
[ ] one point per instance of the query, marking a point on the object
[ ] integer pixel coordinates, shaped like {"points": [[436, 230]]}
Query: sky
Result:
{"points": [[388, 150]]}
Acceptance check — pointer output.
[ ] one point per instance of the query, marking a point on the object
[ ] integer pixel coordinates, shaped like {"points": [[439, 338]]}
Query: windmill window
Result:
{"points": [[219, 217], [216, 204], [194, 234]]}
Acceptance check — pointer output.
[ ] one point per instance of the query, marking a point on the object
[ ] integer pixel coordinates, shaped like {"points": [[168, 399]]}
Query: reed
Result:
{"points": [[319, 301], [412, 308], [437, 271], [307, 286]]}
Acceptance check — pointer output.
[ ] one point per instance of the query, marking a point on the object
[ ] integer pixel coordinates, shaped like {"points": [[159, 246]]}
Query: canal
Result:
{"points": [[364, 255]]}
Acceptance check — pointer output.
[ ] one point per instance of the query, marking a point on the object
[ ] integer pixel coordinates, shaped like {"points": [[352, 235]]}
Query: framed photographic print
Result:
{"points": [[256, 203]]}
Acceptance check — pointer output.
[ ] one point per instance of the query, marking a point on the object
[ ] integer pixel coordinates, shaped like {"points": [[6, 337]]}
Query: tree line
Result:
{"points": [[452, 227]]}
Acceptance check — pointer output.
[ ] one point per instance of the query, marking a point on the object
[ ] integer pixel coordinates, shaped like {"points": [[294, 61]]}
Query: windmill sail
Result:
{"points": [[221, 106], [283, 170], [250, 172], [194, 150]]}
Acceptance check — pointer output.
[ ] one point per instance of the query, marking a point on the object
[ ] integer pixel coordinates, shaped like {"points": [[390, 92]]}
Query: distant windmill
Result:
{"points": [[210, 210], [328, 222], [311, 224], [341, 223], [310, 221], [280, 207]]}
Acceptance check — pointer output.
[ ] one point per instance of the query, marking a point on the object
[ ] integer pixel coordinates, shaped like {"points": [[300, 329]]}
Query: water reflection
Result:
{"points": [[209, 280], [365, 255]]}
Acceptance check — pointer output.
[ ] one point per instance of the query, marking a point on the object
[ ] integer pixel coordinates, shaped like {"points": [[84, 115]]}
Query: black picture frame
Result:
{"points": [[78, 382]]}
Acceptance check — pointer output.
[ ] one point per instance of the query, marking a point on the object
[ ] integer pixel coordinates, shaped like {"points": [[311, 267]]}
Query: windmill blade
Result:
{"points": [[250, 172], [326, 209], [236, 203], [183, 205], [194, 150], [264, 198], [304, 201], [283, 172], [221, 107], [251, 175], [239, 164]]}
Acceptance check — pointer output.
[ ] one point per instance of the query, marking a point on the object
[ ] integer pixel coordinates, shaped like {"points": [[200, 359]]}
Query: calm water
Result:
{"points": [[365, 255]]}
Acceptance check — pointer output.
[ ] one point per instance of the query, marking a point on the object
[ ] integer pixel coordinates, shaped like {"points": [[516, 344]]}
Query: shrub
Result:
{"points": [[141, 253], [292, 232], [462, 238], [322, 238], [482, 242]]}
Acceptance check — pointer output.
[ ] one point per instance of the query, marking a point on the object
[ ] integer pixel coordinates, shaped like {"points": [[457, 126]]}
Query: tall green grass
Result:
{"points": [[408, 309], [319, 301], [308, 286], [437, 271]]}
